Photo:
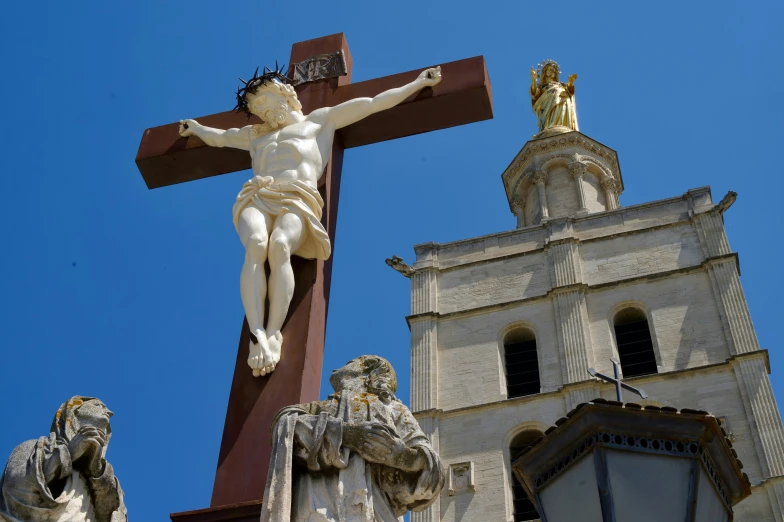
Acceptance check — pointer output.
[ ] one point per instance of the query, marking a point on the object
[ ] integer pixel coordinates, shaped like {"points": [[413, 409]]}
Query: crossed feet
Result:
{"points": [[264, 352]]}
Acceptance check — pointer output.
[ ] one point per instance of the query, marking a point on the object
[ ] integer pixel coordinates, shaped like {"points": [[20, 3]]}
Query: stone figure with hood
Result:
{"points": [[65, 477]]}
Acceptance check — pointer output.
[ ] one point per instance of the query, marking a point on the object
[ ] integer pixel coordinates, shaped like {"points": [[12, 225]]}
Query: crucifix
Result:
{"points": [[320, 71], [619, 384]]}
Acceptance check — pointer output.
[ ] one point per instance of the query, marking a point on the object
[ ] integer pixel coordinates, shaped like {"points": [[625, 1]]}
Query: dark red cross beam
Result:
{"points": [[165, 158]]}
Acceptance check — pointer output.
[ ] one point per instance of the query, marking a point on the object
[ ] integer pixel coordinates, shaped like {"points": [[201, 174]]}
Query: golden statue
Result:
{"points": [[553, 101]]}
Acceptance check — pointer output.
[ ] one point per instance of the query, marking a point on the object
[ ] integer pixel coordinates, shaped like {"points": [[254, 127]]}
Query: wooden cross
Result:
{"points": [[165, 158], [617, 381]]}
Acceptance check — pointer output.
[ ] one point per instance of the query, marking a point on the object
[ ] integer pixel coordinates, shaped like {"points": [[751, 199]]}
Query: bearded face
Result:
{"points": [[272, 106], [276, 116]]}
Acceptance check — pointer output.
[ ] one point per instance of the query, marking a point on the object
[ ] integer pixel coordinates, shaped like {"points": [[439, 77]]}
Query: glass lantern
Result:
{"points": [[607, 462]]}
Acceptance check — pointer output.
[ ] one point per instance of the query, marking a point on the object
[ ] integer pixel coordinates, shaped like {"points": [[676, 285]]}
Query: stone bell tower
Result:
{"points": [[504, 327]]}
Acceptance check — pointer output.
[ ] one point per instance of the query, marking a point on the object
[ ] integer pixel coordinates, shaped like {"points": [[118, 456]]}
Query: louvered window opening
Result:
{"points": [[635, 347], [522, 369], [524, 509]]}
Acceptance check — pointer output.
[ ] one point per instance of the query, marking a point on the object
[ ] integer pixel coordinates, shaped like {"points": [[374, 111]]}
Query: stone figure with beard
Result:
{"points": [[359, 456]]}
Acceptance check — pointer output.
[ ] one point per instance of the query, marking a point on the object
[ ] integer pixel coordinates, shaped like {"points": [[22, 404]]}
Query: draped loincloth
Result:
{"points": [[293, 197]]}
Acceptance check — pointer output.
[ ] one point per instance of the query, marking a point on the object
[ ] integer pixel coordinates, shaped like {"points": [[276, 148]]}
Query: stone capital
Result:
{"points": [[577, 169], [539, 177], [610, 184], [518, 204]]}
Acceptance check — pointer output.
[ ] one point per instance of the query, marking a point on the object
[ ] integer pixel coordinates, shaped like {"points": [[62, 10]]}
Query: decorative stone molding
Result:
{"points": [[606, 173], [461, 478], [545, 163], [426, 255]]}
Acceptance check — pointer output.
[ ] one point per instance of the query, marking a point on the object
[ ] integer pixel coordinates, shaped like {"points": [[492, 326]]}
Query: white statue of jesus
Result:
{"points": [[278, 212]]}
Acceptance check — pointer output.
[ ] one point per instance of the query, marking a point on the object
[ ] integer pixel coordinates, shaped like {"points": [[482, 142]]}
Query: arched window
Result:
{"points": [[524, 509], [635, 346], [521, 363]]}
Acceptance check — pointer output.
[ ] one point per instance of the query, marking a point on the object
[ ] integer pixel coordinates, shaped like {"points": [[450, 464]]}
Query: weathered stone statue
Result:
{"points": [[553, 101], [65, 477], [359, 456], [277, 213]]}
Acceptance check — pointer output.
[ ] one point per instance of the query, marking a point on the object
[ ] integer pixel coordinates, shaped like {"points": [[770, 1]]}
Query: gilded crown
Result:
{"points": [[547, 63]]}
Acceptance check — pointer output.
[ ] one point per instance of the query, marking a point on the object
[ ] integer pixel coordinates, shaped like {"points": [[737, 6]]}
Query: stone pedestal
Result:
{"points": [[244, 512]]}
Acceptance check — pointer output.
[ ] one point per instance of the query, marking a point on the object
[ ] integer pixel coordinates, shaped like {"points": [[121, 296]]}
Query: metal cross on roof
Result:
{"points": [[617, 381]]}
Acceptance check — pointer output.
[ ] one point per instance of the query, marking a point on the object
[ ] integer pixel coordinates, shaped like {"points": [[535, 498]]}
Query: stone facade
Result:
{"points": [[570, 266]]}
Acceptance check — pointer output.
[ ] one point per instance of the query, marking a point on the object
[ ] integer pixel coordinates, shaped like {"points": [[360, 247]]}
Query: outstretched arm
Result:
{"points": [[234, 138], [570, 83], [354, 110]]}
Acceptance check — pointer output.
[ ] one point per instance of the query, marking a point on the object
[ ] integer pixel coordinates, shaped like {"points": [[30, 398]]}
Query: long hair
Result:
{"points": [[270, 79], [550, 65]]}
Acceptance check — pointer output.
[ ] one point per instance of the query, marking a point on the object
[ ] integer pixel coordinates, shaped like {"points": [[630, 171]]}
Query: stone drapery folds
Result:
{"points": [[64, 477], [315, 476]]}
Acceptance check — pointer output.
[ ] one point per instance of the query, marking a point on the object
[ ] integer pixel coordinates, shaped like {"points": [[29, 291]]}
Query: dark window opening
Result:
{"points": [[522, 364], [635, 346], [524, 509]]}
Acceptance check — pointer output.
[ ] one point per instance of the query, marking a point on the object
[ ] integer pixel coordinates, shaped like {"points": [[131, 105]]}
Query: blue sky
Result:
{"points": [[131, 295]]}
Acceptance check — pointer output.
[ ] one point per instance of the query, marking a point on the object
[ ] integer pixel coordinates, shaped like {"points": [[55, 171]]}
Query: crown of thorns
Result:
{"points": [[251, 86]]}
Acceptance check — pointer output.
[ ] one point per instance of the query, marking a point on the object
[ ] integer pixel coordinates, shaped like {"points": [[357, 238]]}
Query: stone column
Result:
{"points": [[424, 341], [571, 313], [539, 177], [578, 171], [610, 187], [750, 367], [424, 356], [762, 413], [429, 424], [723, 271], [775, 488], [518, 207], [713, 239], [735, 315], [571, 317]]}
